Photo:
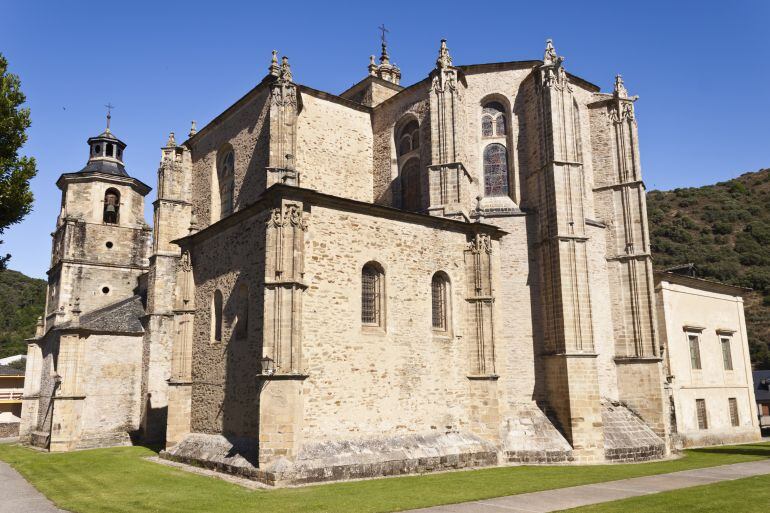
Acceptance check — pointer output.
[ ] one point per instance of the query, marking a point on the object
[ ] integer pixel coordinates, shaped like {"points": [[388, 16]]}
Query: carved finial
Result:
{"points": [[193, 224], [275, 70], [285, 69], [550, 56], [372, 66], [620, 88], [193, 129], [171, 143], [384, 57], [444, 59], [39, 327]]}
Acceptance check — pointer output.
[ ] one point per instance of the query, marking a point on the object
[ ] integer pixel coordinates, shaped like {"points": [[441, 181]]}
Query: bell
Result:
{"points": [[111, 208]]}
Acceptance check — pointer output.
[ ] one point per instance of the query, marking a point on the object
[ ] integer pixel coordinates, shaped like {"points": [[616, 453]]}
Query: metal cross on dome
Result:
{"points": [[109, 106], [383, 30]]}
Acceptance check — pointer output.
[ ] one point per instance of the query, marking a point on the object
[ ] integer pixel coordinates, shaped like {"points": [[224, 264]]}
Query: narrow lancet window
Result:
{"points": [[440, 301], [495, 170], [226, 177], [216, 317], [371, 295], [411, 188]]}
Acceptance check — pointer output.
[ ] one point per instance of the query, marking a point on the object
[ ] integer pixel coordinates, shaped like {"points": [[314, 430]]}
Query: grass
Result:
{"points": [[122, 480], [749, 495]]}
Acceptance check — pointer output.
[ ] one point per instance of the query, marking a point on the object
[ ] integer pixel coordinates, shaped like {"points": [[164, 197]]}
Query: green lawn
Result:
{"points": [[750, 495], [120, 479]]}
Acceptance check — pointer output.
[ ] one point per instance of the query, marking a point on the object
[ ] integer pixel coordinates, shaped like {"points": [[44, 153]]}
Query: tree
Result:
{"points": [[15, 172]]}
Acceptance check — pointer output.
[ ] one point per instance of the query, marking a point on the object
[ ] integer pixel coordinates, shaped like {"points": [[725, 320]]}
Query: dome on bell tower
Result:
{"points": [[106, 153]]}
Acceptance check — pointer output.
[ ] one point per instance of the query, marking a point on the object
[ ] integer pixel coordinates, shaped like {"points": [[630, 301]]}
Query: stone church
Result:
{"points": [[394, 279]]}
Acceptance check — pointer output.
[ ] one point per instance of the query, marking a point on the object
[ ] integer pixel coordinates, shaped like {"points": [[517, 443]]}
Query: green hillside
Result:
{"points": [[724, 229], [22, 300]]}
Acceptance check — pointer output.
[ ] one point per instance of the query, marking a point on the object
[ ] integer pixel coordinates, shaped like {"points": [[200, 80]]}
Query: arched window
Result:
{"points": [[226, 176], [493, 120], [242, 317], [111, 206], [495, 170], [440, 301], [411, 188], [372, 285], [408, 138], [216, 317]]}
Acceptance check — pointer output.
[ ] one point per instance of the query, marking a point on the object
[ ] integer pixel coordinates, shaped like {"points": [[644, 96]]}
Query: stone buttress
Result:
{"points": [[570, 367], [620, 195], [449, 181], [172, 214]]}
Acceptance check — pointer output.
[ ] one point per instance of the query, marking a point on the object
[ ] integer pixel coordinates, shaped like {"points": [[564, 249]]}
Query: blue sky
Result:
{"points": [[700, 68]]}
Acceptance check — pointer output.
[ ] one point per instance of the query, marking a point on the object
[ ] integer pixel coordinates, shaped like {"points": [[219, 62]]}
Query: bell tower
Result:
{"points": [[101, 241]]}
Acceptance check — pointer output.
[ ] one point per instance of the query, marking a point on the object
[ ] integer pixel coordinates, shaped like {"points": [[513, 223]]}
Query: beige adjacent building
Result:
{"points": [[394, 279], [709, 377], [11, 388]]}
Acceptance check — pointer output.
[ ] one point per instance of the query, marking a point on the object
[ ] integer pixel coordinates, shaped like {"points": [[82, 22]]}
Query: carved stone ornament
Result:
{"points": [[481, 242], [275, 220], [552, 72], [621, 111], [274, 69], [295, 216], [550, 57], [620, 88], [285, 75], [185, 263], [444, 59], [284, 95]]}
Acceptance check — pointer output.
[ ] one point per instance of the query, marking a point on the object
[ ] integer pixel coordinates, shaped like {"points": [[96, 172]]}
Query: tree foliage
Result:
{"points": [[22, 300], [724, 229], [15, 171]]}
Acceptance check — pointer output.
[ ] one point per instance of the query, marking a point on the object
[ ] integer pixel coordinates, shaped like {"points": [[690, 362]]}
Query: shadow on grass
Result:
{"points": [[759, 450]]}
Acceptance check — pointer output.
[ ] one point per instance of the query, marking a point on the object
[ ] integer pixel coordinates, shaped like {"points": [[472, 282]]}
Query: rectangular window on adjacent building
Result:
{"points": [[727, 356], [700, 407], [694, 351], [734, 419]]}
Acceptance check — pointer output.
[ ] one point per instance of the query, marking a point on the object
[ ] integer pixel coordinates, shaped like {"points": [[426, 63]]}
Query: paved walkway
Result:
{"points": [[18, 496], [564, 498]]}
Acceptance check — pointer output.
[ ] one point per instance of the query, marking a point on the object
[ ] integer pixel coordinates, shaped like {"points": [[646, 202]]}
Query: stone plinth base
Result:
{"points": [[339, 460], [626, 436], [531, 438], [9, 429]]}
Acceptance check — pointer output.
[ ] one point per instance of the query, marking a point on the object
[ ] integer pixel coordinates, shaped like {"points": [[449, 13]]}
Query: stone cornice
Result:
{"points": [[138, 185], [620, 185], [77, 261]]}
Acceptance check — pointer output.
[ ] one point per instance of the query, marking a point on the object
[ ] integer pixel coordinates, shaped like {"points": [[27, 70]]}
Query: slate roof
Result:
{"points": [[110, 167], [121, 317], [6, 370], [761, 392]]}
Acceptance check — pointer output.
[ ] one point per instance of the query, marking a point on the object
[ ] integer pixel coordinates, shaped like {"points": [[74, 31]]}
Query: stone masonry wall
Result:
{"points": [[334, 149], [112, 385], [386, 118], [403, 378], [246, 130], [225, 391]]}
